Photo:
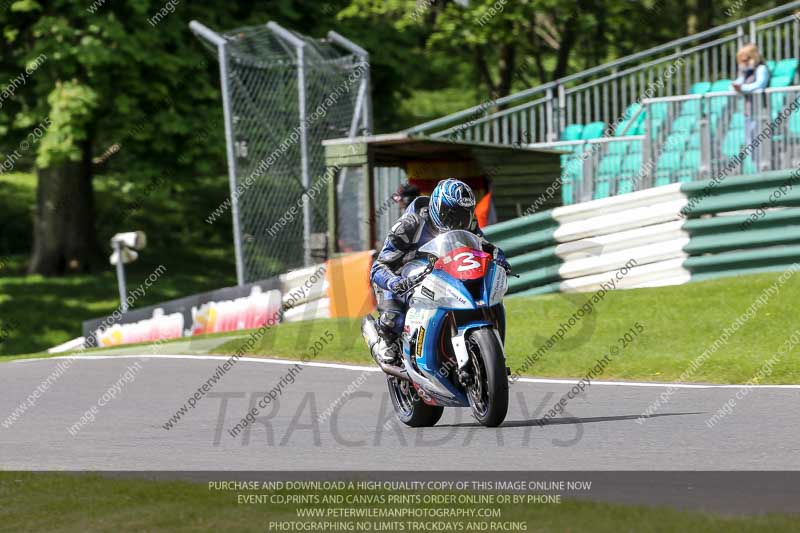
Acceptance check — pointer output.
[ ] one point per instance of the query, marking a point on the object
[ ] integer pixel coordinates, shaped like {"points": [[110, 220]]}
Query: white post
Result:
{"points": [[123, 298]]}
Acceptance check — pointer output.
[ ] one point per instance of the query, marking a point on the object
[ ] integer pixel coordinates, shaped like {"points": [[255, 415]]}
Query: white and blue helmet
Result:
{"points": [[452, 205]]}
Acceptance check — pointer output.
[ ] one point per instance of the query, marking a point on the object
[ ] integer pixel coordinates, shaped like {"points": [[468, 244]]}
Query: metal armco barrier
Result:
{"points": [[661, 236]]}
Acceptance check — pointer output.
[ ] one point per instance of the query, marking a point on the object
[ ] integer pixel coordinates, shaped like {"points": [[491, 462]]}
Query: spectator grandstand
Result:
{"points": [[660, 116]]}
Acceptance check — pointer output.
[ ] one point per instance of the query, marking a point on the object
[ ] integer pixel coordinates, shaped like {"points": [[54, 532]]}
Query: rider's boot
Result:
{"points": [[383, 342]]}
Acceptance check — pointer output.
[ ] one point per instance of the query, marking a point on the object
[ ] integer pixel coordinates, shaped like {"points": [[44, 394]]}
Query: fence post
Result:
{"points": [[705, 139], [647, 149], [222, 49], [562, 109], [588, 175], [551, 135]]}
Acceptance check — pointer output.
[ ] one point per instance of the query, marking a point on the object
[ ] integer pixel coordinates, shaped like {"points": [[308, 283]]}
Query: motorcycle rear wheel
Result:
{"points": [[409, 407], [488, 393]]}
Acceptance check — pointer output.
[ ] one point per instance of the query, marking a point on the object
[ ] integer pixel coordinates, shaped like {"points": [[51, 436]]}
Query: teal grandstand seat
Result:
{"points": [[732, 143], [624, 186], [685, 178], [718, 103], [676, 142], [691, 160], [656, 124], [659, 109], [685, 124], [602, 187], [748, 166], [737, 121], [572, 132], [631, 165], [668, 163], [610, 165], [700, 87], [694, 141], [776, 101], [662, 179], [771, 65], [690, 107], [631, 110], [619, 147], [721, 86], [785, 67], [567, 189], [593, 130], [634, 129], [780, 81], [794, 125]]}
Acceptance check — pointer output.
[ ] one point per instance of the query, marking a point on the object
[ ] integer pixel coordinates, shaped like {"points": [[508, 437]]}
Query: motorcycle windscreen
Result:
{"points": [[449, 241], [464, 263]]}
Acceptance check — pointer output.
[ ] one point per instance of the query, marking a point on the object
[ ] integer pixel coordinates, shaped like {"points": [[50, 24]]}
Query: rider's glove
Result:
{"points": [[500, 259], [399, 284]]}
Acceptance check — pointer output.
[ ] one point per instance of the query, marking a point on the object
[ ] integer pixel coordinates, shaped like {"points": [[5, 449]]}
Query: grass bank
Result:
{"points": [[678, 324]]}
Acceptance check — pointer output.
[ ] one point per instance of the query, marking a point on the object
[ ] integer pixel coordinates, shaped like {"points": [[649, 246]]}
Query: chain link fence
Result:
{"points": [[283, 94]]}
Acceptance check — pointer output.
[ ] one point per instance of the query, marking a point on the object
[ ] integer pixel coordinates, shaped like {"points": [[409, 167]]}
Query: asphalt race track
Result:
{"points": [[600, 433]]}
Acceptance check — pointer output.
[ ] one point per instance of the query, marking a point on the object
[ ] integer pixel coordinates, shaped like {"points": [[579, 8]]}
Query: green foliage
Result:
{"points": [[48, 311], [71, 108]]}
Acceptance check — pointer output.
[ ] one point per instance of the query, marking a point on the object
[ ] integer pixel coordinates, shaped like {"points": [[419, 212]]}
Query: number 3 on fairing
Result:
{"points": [[467, 260]]}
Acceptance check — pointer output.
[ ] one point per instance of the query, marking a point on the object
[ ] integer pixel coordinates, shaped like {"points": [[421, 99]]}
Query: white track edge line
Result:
{"points": [[374, 369]]}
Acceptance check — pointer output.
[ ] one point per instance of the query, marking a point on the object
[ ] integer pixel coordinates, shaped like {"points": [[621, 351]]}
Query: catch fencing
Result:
{"points": [[283, 93]]}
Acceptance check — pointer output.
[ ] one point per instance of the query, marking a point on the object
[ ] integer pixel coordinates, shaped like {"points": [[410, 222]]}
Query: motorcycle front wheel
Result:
{"points": [[410, 408], [488, 392]]}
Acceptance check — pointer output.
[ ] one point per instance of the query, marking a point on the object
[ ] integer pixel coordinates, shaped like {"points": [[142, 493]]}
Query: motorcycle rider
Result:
{"points": [[450, 206]]}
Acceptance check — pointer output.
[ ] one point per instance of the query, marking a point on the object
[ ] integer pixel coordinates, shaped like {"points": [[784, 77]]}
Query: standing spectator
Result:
{"points": [[405, 194], [753, 76]]}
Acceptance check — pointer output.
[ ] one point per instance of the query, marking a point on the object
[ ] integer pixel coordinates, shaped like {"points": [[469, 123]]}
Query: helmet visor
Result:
{"points": [[457, 217]]}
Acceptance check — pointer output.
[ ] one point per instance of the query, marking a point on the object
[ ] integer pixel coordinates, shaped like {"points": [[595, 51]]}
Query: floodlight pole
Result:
{"points": [[222, 54], [123, 299], [299, 45]]}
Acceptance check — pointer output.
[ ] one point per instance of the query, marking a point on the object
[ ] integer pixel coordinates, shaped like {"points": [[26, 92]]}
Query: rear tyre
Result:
{"points": [[409, 407], [488, 393]]}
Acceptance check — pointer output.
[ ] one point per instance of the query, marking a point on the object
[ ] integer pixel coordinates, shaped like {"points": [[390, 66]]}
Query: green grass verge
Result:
{"points": [[87, 502], [679, 323]]}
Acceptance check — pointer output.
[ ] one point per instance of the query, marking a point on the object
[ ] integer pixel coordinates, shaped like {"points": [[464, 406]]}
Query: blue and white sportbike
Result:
{"points": [[453, 334]]}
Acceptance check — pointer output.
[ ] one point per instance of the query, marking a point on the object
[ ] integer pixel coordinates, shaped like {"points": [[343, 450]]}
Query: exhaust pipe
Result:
{"points": [[370, 333]]}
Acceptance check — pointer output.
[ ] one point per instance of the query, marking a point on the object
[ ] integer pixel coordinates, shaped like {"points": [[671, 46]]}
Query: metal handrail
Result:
{"points": [[613, 66]]}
